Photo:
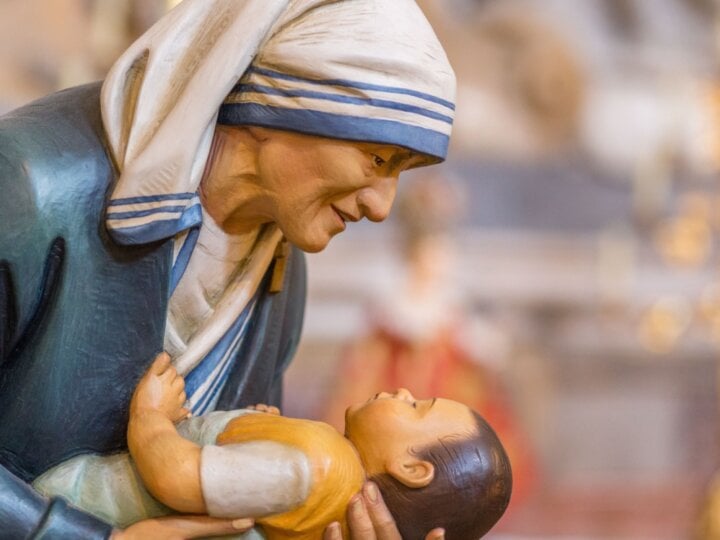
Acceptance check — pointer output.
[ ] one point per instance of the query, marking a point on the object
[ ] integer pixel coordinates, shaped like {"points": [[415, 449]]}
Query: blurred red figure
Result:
{"points": [[422, 337]]}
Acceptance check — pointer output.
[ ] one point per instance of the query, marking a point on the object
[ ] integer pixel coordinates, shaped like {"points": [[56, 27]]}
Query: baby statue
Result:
{"points": [[436, 463]]}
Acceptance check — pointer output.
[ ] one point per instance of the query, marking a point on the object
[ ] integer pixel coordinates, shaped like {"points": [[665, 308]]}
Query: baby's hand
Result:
{"points": [[269, 409], [162, 390]]}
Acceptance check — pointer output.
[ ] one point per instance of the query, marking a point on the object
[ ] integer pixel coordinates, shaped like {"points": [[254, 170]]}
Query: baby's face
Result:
{"points": [[389, 426]]}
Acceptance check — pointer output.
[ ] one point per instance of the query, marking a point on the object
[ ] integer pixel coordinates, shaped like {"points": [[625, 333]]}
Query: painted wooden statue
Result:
{"points": [[147, 213], [435, 461]]}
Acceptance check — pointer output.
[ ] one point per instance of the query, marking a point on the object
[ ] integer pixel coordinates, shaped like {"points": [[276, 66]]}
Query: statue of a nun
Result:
{"points": [[167, 209]]}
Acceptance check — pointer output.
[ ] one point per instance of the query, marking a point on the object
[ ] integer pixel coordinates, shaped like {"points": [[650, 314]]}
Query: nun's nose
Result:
{"points": [[375, 201]]}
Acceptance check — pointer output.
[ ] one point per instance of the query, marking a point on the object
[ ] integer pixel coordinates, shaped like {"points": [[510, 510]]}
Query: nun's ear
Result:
{"points": [[411, 471]]}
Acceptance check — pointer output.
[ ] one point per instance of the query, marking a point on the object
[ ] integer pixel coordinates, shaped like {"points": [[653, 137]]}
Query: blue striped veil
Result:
{"points": [[360, 70]]}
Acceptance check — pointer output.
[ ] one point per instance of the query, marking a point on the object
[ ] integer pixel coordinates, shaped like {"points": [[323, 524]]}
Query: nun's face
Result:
{"points": [[310, 186], [319, 184]]}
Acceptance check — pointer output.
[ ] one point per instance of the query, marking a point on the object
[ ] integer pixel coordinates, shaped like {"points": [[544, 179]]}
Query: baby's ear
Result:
{"points": [[413, 472]]}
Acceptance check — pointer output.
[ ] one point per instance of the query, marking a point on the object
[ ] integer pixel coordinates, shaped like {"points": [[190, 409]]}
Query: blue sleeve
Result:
{"points": [[28, 256], [26, 514], [25, 248]]}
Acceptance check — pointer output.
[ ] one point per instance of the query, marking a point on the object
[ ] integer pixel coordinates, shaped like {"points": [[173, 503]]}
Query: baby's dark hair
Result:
{"points": [[468, 495]]}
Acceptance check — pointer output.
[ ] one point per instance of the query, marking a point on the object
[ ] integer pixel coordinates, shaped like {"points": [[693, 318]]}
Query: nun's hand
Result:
{"points": [[182, 528], [369, 519]]}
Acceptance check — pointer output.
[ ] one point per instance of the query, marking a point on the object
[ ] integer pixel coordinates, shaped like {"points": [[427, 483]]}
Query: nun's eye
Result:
{"points": [[378, 161]]}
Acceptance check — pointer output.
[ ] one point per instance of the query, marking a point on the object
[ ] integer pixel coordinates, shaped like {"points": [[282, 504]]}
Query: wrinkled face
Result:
{"points": [[390, 426], [319, 184]]}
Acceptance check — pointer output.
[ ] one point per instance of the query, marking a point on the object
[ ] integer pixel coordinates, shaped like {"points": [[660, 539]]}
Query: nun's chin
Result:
{"points": [[310, 243]]}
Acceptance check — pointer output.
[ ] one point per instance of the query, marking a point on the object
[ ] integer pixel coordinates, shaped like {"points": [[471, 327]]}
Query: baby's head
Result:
{"points": [[437, 463]]}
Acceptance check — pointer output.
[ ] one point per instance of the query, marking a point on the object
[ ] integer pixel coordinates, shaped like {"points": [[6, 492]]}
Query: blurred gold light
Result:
{"points": [[664, 323], [172, 3], [713, 105], [687, 239], [709, 309]]}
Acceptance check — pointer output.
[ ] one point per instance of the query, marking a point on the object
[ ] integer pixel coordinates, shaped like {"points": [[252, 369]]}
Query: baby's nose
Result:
{"points": [[404, 394]]}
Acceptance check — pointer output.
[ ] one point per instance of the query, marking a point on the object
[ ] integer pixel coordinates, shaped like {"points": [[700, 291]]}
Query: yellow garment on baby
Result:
{"points": [[337, 471]]}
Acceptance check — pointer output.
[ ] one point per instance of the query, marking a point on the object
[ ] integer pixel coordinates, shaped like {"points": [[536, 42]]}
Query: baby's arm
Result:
{"points": [[168, 464]]}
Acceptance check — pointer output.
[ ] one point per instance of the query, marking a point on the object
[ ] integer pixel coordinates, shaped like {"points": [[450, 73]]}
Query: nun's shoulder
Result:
{"points": [[52, 153], [58, 132]]}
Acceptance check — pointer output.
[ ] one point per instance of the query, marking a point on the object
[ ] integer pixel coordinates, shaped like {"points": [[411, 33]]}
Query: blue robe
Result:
{"points": [[81, 318]]}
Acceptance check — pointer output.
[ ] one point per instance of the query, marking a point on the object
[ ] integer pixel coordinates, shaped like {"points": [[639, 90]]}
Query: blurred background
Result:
{"points": [[559, 272]]}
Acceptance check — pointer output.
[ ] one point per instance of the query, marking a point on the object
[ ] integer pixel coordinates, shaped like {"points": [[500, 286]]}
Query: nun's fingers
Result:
{"points": [[361, 526], [268, 409], [182, 527], [333, 532], [370, 519], [382, 520], [384, 526]]}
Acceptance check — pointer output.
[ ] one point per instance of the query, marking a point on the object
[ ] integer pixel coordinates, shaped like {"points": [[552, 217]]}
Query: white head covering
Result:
{"points": [[364, 70]]}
